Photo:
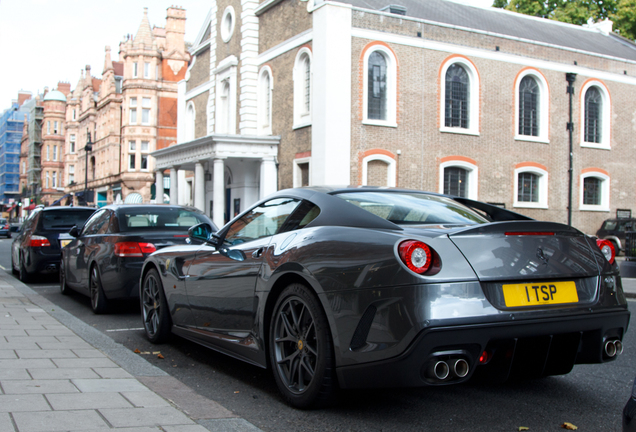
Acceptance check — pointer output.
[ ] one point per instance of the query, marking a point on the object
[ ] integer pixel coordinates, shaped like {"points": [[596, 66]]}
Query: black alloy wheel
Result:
{"points": [[301, 349], [64, 288], [98, 299], [154, 308], [23, 275]]}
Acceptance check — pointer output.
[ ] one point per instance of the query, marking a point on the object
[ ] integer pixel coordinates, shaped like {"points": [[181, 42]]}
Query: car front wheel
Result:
{"points": [[301, 349], [154, 308], [98, 299], [64, 288]]}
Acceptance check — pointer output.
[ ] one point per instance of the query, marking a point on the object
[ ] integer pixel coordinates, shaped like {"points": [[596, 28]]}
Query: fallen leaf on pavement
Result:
{"points": [[159, 356], [568, 426], [236, 392], [137, 351]]}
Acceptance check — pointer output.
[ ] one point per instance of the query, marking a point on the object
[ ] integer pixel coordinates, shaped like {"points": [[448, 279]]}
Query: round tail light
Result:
{"points": [[416, 255], [607, 247]]}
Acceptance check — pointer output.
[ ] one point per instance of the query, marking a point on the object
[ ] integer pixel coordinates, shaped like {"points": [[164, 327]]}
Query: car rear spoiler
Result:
{"points": [[492, 212]]}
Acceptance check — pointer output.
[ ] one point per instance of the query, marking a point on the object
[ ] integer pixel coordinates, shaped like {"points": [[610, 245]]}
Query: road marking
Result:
{"points": [[128, 329]]}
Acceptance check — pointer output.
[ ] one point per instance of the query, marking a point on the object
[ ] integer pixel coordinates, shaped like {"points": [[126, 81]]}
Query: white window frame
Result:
{"points": [[48, 153], [55, 153], [542, 188], [47, 177], [297, 173], [141, 162], [54, 180], [606, 116], [132, 145], [391, 91], [391, 171], [146, 105], [302, 117], [135, 69], [474, 95], [605, 192], [71, 173], [131, 158], [133, 110], [473, 176], [544, 107], [72, 143], [228, 23], [190, 121], [265, 103], [55, 131], [226, 73], [141, 146], [146, 69]]}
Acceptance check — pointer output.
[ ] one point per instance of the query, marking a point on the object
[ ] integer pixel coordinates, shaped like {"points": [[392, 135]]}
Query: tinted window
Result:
{"points": [[64, 219], [413, 208], [153, 218], [96, 223], [609, 225], [262, 221]]}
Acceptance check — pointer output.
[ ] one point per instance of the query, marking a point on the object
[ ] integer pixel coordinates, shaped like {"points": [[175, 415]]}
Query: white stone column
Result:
{"points": [[199, 186], [269, 177], [174, 190], [159, 187], [218, 195]]}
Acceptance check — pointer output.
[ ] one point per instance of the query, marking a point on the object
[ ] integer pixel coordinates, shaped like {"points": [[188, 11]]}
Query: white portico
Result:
{"points": [[231, 172]]}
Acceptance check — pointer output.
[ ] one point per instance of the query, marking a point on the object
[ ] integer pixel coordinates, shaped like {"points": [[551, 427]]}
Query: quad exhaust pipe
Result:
{"points": [[613, 348]]}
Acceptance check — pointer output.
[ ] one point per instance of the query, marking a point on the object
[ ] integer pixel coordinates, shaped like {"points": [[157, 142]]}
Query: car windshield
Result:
{"points": [[64, 219], [413, 208], [144, 218]]}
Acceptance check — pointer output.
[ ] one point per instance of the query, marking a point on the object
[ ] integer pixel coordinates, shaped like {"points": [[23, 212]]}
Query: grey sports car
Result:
{"points": [[369, 287]]}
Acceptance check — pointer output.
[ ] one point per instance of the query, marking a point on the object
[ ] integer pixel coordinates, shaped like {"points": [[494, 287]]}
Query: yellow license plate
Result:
{"points": [[540, 293], [64, 242]]}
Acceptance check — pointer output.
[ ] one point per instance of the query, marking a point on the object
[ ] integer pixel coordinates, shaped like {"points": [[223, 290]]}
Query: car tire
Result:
{"points": [[23, 274], [15, 271], [154, 308], [99, 303], [301, 349], [617, 249], [64, 288]]}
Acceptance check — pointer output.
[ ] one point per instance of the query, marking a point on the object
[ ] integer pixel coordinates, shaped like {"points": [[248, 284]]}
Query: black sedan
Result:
{"points": [[368, 287], [36, 248], [103, 260]]}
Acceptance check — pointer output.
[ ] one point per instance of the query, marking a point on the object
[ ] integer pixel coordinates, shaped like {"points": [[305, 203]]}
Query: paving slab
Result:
{"points": [[27, 402], [42, 353], [112, 373], [38, 386], [79, 401], [13, 374], [6, 425], [83, 363], [161, 416], [108, 385], [58, 421], [146, 399], [63, 373], [7, 354]]}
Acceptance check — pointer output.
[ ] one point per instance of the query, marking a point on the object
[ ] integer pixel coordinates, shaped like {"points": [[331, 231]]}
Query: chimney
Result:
{"points": [[175, 29], [23, 96], [64, 87]]}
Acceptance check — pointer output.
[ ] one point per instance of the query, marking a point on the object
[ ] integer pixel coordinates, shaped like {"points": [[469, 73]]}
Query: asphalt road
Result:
{"points": [[590, 397]]}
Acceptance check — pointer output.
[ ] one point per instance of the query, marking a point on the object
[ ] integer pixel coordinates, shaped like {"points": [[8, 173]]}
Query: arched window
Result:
{"points": [[458, 177], [595, 115], [594, 190], [223, 115], [593, 110], [459, 102], [532, 107], [190, 122], [302, 88], [529, 106], [457, 97], [531, 185], [265, 101], [379, 168], [379, 97]]}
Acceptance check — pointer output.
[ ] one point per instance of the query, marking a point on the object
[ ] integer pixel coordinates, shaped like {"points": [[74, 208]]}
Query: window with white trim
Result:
{"points": [[190, 122], [302, 88], [145, 145], [458, 178], [379, 167], [131, 162], [146, 70], [132, 146], [532, 108], [135, 70], [72, 143], [55, 153], [223, 114], [594, 192], [133, 110], [227, 24], [265, 87], [531, 187], [595, 116], [47, 176], [144, 162], [145, 111], [379, 87], [71, 173], [48, 153], [459, 101], [55, 130], [302, 173], [54, 177]]}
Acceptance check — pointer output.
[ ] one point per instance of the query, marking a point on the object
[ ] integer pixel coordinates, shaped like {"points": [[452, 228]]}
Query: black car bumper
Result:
{"points": [[516, 349], [39, 262]]}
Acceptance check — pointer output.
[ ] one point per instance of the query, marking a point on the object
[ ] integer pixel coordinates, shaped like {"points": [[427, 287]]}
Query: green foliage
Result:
{"points": [[625, 18]]}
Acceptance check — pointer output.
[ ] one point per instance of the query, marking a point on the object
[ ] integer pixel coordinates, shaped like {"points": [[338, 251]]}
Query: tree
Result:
{"points": [[625, 18]]}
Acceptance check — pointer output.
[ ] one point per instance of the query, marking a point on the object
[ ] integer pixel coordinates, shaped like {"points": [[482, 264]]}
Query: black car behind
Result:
{"points": [[103, 260], [36, 248]]}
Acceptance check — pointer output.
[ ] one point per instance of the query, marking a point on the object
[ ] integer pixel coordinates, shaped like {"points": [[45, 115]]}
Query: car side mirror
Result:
{"points": [[74, 231], [202, 232]]}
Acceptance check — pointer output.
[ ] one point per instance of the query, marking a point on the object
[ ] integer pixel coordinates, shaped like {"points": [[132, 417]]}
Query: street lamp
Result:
{"points": [[88, 148]]}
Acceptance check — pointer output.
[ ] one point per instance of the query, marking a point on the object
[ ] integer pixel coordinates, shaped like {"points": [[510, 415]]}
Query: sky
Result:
{"points": [[43, 42]]}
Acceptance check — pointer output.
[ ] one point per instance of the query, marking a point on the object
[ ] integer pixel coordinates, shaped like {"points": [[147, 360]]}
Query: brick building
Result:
{"points": [[429, 95]]}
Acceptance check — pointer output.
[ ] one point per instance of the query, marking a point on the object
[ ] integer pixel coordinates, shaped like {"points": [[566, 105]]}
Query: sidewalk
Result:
{"points": [[52, 378]]}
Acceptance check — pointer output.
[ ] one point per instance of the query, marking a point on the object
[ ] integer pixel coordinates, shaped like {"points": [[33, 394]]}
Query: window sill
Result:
{"points": [[527, 138], [596, 146], [530, 205], [383, 123], [301, 124], [584, 207], [460, 131]]}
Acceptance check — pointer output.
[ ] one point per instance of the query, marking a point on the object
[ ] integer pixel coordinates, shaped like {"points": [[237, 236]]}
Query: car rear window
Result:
{"points": [[413, 208], [64, 219], [134, 219]]}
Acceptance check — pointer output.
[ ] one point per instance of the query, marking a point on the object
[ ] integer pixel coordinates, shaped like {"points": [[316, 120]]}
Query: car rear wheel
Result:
{"points": [[301, 349], [24, 275], [14, 270], [154, 308], [98, 299], [64, 288]]}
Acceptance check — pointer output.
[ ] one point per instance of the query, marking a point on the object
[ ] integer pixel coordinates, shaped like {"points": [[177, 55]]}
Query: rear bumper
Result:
{"points": [[530, 348], [39, 262]]}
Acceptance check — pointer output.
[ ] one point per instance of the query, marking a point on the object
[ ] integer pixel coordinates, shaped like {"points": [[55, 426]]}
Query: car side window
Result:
{"points": [[302, 215], [94, 223], [262, 221]]}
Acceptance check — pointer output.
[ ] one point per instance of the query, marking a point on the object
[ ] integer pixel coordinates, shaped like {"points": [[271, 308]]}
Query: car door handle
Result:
{"points": [[258, 253]]}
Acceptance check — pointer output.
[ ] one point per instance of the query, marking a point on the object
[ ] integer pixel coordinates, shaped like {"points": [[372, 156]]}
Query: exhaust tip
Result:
{"points": [[619, 347], [461, 368], [441, 370], [610, 348]]}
